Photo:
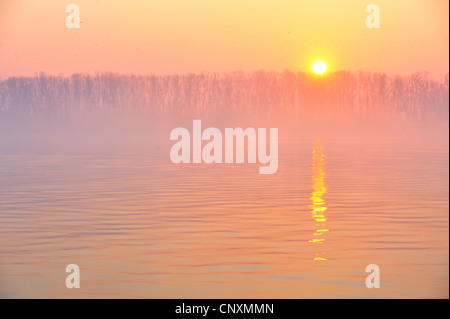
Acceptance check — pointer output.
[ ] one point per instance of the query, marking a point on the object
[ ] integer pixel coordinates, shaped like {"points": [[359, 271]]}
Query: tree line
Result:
{"points": [[258, 93]]}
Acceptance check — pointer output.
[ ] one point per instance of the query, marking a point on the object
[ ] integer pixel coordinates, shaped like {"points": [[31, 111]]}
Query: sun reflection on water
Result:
{"points": [[318, 207]]}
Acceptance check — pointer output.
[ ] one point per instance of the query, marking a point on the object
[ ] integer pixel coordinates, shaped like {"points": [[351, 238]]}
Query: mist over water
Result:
{"points": [[94, 186]]}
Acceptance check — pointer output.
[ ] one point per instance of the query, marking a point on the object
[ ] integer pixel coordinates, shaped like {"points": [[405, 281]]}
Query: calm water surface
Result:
{"points": [[140, 226]]}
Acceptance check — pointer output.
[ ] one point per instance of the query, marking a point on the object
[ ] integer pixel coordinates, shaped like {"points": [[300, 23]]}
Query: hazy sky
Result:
{"points": [[179, 36]]}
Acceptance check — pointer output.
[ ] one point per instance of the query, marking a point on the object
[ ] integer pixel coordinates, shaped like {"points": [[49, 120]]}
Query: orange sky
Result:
{"points": [[178, 36]]}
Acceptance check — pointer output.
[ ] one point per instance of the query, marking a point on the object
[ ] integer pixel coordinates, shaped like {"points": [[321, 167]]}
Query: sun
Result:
{"points": [[319, 67]]}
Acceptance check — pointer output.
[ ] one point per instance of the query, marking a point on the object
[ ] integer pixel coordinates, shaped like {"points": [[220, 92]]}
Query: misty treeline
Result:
{"points": [[258, 93]]}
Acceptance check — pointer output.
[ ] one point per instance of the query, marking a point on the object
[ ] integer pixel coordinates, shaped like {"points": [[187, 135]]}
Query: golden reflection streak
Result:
{"points": [[317, 206]]}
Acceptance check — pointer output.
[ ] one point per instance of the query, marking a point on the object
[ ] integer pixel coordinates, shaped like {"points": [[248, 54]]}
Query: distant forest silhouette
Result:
{"points": [[413, 97]]}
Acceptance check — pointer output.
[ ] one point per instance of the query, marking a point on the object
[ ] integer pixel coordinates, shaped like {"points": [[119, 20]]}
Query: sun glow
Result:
{"points": [[319, 67]]}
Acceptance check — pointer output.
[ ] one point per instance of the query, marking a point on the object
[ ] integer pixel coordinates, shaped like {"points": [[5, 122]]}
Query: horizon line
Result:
{"points": [[95, 73]]}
